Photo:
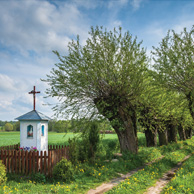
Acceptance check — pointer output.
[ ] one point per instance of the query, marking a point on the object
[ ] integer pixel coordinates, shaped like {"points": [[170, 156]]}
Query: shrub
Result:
{"points": [[3, 177], [93, 140], [64, 170], [87, 147], [38, 177], [8, 127]]}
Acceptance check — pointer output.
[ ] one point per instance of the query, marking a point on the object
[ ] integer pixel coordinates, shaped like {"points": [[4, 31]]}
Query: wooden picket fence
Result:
{"points": [[10, 147], [27, 162]]}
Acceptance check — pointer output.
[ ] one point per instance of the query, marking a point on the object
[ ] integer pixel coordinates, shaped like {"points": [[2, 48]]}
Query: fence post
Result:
{"points": [[37, 159], [30, 162], [9, 161], [12, 161], [41, 162], [26, 158], [23, 162], [15, 158], [33, 161], [19, 160], [45, 161], [49, 165]]}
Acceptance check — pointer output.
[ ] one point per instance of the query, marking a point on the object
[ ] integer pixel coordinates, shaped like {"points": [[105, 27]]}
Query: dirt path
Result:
{"points": [[161, 183], [108, 186]]}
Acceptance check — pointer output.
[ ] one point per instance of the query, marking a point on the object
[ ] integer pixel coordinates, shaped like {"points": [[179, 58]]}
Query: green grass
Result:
{"points": [[89, 176], [182, 182], [11, 138], [147, 177]]}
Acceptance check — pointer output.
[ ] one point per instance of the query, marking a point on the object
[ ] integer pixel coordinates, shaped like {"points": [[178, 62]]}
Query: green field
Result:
{"points": [[11, 138], [90, 175]]}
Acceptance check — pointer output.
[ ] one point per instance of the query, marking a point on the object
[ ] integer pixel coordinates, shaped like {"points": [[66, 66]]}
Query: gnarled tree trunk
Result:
{"points": [[172, 133], [181, 132], [188, 133], [151, 137], [163, 137], [122, 117]]}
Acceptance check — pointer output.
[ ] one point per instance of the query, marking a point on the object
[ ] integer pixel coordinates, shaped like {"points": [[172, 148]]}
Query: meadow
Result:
{"points": [[90, 175], [11, 138]]}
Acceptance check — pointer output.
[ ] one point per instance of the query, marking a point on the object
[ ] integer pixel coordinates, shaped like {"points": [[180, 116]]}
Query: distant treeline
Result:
{"points": [[62, 126], [59, 126], [9, 125]]}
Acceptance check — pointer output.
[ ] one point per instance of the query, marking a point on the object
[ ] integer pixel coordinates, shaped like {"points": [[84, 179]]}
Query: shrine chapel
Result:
{"points": [[34, 128]]}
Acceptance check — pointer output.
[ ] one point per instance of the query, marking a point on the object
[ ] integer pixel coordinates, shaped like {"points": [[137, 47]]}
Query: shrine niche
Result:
{"points": [[34, 128], [29, 131]]}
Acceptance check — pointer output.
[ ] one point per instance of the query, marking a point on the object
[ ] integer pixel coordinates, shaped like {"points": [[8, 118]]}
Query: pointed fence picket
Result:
{"points": [[24, 162]]}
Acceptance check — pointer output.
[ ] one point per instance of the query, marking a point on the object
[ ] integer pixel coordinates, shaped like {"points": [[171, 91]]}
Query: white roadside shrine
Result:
{"points": [[34, 128]]}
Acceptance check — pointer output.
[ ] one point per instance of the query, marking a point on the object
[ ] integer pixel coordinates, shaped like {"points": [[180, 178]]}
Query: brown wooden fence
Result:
{"points": [[24, 162], [10, 147]]}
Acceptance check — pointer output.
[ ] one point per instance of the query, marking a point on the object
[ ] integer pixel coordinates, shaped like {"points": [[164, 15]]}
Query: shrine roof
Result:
{"points": [[33, 115]]}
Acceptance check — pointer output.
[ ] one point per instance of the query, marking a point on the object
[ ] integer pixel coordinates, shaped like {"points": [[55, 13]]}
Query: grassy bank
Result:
{"points": [[147, 177], [89, 176]]}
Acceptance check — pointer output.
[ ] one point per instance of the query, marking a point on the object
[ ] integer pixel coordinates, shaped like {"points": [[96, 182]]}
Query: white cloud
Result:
{"points": [[39, 25], [117, 4], [136, 4], [6, 83]]}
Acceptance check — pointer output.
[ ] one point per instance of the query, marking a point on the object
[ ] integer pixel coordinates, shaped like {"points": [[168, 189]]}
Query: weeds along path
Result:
{"points": [[161, 183], [108, 186]]}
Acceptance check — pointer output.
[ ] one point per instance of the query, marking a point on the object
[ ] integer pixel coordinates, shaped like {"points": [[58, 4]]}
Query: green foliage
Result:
{"points": [[147, 177], [174, 64], [90, 175], [110, 63], [38, 177], [3, 177], [62, 126], [8, 127], [93, 139], [16, 126], [64, 171], [182, 182], [85, 147]]}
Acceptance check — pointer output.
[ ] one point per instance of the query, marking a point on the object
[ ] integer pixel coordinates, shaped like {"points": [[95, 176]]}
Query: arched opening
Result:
{"points": [[29, 131], [42, 130]]}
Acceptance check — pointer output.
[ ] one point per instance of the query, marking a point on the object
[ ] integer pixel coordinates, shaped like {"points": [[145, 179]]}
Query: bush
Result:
{"points": [[3, 177], [64, 171], [8, 127], [38, 177], [93, 140], [87, 147]]}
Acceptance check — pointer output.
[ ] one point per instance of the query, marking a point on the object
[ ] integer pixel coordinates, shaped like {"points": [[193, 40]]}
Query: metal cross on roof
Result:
{"points": [[34, 92]]}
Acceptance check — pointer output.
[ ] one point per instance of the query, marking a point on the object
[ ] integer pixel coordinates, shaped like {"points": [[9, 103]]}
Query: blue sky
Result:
{"points": [[31, 29]]}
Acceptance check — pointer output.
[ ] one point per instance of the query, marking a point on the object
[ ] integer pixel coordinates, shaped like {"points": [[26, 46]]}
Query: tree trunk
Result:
{"points": [[188, 133], [181, 132], [122, 117], [151, 138], [163, 137], [172, 133], [128, 140]]}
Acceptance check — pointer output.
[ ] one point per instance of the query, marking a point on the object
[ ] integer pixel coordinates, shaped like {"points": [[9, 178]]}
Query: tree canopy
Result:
{"points": [[174, 63], [103, 77]]}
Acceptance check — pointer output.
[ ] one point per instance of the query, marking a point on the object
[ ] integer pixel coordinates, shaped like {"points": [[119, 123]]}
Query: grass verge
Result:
{"points": [[182, 182], [147, 177]]}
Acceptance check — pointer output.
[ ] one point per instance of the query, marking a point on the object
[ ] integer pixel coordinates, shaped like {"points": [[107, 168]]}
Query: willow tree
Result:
{"points": [[103, 77], [174, 62]]}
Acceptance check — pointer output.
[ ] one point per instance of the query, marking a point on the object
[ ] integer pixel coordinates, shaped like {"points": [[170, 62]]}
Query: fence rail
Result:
{"points": [[10, 147], [24, 162]]}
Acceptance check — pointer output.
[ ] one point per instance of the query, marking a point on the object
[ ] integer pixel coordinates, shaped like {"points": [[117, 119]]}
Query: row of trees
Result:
{"points": [[9, 126], [111, 78]]}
